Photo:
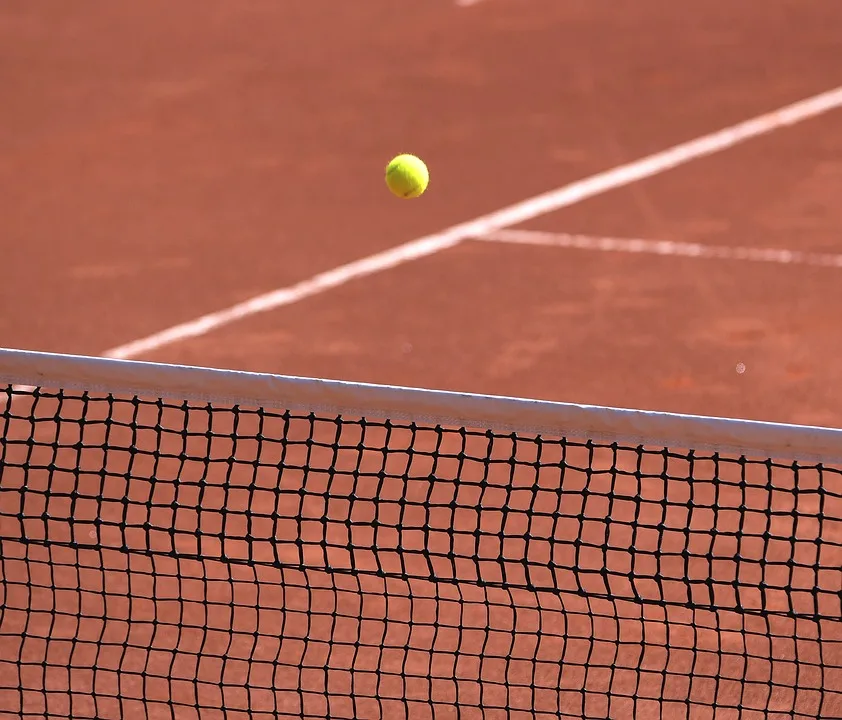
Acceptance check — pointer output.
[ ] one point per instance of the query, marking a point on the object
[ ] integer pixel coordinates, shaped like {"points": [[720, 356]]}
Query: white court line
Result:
{"points": [[467, 3], [519, 212], [662, 247]]}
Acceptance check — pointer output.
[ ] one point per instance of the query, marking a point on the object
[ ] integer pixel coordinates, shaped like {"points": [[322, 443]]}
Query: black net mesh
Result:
{"points": [[179, 560]]}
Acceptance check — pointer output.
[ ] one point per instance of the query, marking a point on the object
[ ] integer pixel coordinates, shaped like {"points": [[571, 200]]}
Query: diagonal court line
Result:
{"points": [[512, 215], [662, 247]]}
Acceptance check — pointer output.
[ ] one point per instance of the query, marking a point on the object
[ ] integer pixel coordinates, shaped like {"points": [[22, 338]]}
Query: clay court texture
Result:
{"points": [[162, 161], [202, 183]]}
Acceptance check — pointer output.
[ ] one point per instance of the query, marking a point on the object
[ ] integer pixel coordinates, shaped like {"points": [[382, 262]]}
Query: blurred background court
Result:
{"points": [[163, 160]]}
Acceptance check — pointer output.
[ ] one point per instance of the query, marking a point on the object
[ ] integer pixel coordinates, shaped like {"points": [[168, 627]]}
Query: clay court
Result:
{"points": [[161, 161]]}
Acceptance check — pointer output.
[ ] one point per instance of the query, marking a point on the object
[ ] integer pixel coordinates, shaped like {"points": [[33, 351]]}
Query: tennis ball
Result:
{"points": [[407, 176]]}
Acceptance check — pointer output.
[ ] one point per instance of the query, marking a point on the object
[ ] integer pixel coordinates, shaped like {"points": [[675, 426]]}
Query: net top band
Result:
{"points": [[499, 414]]}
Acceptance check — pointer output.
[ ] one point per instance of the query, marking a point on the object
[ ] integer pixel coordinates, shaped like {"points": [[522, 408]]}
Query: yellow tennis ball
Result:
{"points": [[407, 176]]}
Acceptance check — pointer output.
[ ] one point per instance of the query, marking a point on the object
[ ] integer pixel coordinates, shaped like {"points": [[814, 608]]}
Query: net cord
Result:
{"points": [[500, 414]]}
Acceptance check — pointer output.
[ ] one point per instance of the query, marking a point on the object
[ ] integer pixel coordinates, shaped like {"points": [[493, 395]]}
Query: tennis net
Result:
{"points": [[192, 543]]}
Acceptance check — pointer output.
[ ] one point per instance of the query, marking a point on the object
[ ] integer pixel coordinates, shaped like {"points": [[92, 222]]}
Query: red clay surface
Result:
{"points": [[159, 162], [162, 160]]}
